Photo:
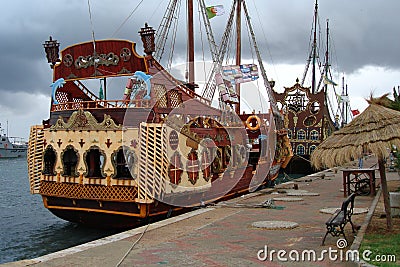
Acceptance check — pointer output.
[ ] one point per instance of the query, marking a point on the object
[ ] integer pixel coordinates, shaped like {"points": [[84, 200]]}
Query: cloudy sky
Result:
{"points": [[365, 44]]}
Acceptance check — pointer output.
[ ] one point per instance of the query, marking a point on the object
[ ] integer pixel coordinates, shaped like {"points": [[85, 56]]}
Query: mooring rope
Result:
{"points": [[133, 245]]}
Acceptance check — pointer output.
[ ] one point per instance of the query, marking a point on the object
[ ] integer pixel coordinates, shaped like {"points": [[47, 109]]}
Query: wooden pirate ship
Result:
{"points": [[160, 148], [311, 115], [308, 123]]}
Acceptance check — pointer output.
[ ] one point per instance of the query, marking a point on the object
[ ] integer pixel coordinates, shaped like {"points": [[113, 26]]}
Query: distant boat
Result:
{"points": [[12, 147]]}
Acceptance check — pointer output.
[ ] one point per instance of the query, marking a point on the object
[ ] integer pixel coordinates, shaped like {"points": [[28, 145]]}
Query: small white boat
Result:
{"points": [[12, 147]]}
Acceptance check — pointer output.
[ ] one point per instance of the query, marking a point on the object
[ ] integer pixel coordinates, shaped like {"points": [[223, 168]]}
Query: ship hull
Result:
{"points": [[299, 165], [130, 214], [12, 153], [127, 217]]}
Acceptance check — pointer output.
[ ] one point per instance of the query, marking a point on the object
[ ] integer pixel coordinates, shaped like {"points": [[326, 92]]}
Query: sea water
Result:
{"points": [[27, 229]]}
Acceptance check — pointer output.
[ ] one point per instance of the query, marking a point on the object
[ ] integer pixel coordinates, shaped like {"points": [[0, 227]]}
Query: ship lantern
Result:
{"points": [[51, 47], [147, 35]]}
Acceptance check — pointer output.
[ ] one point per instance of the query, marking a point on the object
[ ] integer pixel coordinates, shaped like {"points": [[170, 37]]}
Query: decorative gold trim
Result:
{"points": [[295, 118], [84, 120], [88, 192]]}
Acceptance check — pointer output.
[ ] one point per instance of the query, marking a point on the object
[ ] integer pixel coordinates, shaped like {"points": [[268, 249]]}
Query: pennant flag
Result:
{"points": [[345, 98], [213, 11], [101, 94], [329, 81], [226, 90], [240, 73], [342, 98], [355, 112], [339, 98]]}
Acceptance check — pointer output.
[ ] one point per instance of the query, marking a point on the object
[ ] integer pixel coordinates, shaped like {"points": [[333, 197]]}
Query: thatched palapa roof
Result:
{"points": [[375, 130]]}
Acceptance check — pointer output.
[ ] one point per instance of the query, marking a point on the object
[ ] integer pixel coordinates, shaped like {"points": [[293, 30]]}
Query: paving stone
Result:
{"points": [[274, 225], [288, 199]]}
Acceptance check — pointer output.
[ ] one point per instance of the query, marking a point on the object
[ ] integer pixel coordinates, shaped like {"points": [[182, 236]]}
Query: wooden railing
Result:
{"points": [[100, 104], [35, 154]]}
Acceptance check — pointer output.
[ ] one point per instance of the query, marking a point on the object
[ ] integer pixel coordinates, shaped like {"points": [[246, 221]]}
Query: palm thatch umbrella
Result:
{"points": [[376, 129]]}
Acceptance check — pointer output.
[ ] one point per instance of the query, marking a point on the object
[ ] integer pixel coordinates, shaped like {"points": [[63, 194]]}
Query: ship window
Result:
{"points": [[314, 135], [124, 161], [310, 121], [312, 148], [70, 160], [94, 160], [289, 133], [300, 150], [193, 166], [174, 98], [3, 139], [175, 169], [315, 107], [297, 101], [49, 160], [161, 95], [301, 135]]}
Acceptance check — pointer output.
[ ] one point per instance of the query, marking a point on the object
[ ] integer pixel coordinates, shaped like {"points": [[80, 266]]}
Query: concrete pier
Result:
{"points": [[239, 232]]}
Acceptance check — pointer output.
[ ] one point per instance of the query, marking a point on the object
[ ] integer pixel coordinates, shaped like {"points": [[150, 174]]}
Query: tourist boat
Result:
{"points": [[162, 147], [311, 113], [12, 147]]}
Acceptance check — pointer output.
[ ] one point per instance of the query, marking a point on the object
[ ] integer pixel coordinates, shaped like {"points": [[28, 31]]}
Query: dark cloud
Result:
{"points": [[364, 32]]}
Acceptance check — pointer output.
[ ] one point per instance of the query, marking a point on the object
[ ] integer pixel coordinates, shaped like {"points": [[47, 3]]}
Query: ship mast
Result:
{"points": [[190, 43], [345, 104], [327, 54], [314, 48], [238, 47]]}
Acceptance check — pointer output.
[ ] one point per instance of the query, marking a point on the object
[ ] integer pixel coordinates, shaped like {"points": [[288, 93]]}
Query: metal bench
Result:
{"points": [[335, 225]]}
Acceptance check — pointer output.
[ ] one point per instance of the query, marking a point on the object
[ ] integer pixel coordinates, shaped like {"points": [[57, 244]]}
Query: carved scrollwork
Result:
{"points": [[84, 120], [102, 59]]}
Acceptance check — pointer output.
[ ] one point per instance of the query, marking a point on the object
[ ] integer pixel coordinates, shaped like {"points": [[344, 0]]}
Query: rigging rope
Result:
{"points": [[92, 28], [94, 39], [266, 41], [155, 9], [316, 49], [218, 55], [277, 115], [252, 56], [130, 15], [202, 42], [175, 30], [163, 29]]}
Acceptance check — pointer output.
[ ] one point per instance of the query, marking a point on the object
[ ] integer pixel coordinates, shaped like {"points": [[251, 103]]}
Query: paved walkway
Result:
{"points": [[223, 235]]}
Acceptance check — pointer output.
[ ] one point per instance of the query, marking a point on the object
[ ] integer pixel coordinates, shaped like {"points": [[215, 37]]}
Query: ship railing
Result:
{"points": [[101, 104], [194, 95], [34, 157]]}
